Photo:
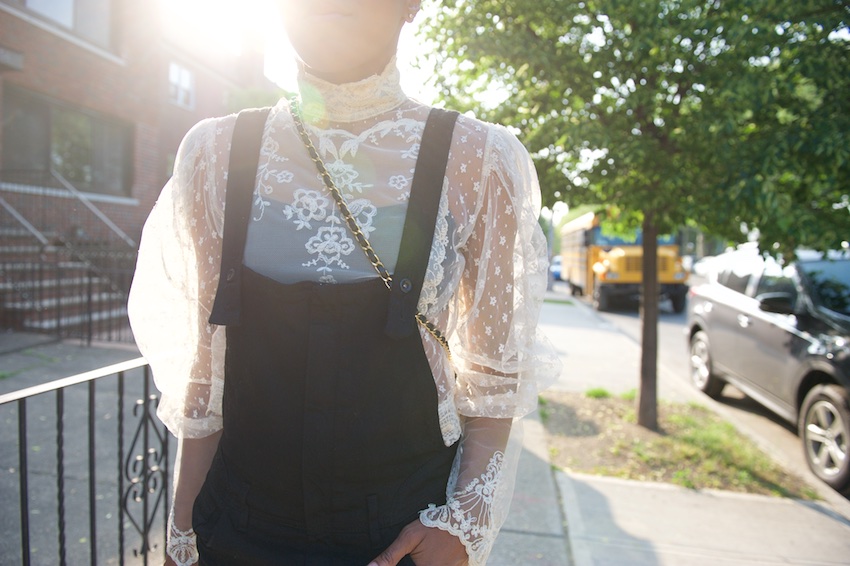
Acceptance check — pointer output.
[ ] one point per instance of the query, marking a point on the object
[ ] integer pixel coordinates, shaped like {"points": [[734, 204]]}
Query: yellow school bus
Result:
{"points": [[609, 268]]}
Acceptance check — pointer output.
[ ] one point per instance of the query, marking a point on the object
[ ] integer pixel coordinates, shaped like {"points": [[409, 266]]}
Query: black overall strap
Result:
{"points": [[420, 222], [241, 178]]}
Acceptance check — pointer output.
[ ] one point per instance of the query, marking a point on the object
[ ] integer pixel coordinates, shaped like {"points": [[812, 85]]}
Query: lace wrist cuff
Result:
{"points": [[440, 518], [182, 546], [469, 515]]}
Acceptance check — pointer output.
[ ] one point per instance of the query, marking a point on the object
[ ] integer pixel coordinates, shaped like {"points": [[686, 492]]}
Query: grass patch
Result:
{"points": [[544, 412], [597, 393], [701, 450], [693, 447], [629, 395], [558, 301]]}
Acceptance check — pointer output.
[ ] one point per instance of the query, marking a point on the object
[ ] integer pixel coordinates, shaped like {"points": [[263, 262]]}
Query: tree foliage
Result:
{"points": [[719, 112]]}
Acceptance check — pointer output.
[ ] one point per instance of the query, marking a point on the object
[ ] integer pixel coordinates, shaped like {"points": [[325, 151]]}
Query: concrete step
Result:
{"points": [[32, 249], [74, 320], [14, 232], [49, 283], [54, 302], [24, 266]]}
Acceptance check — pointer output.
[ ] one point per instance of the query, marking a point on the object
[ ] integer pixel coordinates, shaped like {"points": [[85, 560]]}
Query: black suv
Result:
{"points": [[781, 334]]}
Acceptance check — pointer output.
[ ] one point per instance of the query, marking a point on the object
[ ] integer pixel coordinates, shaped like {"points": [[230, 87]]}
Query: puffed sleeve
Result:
{"points": [[175, 283], [501, 360]]}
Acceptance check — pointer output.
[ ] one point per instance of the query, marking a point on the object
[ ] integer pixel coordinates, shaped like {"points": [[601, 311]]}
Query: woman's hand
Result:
{"points": [[427, 546]]}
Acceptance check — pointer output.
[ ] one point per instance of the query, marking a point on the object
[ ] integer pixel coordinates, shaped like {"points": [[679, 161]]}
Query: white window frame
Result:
{"points": [[181, 85]]}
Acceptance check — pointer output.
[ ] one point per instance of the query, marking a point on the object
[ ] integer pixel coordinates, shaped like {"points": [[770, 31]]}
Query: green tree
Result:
{"points": [[722, 113]]}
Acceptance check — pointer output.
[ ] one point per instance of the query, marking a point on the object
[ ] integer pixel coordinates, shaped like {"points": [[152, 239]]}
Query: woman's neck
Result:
{"points": [[325, 101]]}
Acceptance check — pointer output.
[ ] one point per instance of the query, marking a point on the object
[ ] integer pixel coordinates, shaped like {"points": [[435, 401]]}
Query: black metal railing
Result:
{"points": [[66, 284], [59, 293], [85, 471]]}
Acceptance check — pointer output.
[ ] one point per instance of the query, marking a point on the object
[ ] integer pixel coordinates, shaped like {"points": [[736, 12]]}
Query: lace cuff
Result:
{"points": [[182, 546], [469, 513]]}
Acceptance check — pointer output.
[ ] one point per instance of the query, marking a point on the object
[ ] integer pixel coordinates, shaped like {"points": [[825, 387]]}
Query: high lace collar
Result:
{"points": [[350, 102]]}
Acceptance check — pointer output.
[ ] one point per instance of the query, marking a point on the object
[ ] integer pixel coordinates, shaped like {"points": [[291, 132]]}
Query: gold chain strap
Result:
{"points": [[352, 223]]}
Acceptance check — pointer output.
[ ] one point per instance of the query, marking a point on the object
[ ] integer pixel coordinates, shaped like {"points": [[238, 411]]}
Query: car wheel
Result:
{"points": [[601, 299], [701, 373], [825, 431]]}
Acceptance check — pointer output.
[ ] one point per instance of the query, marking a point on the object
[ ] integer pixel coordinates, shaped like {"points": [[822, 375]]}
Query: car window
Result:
{"points": [[736, 277], [776, 279], [829, 283]]}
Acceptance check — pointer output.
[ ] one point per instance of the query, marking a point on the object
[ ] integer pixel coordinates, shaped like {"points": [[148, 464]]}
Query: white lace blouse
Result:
{"points": [[484, 285]]}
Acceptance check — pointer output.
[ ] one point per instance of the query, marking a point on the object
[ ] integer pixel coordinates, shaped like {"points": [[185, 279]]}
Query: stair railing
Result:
{"points": [[95, 210], [96, 258], [24, 222]]}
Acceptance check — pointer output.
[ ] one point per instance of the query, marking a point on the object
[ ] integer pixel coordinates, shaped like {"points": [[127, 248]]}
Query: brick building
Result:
{"points": [[95, 96], [101, 92]]}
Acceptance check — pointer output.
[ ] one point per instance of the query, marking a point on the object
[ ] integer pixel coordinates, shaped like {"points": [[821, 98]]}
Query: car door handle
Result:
{"points": [[743, 321]]}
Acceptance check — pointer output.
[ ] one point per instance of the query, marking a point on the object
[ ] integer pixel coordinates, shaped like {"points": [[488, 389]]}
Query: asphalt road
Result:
{"points": [[774, 435]]}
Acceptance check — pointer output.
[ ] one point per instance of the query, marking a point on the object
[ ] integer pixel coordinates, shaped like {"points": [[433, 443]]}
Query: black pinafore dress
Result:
{"points": [[331, 441]]}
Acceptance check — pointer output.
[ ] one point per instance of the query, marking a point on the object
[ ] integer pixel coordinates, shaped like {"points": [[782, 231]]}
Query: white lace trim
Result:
{"points": [[182, 546], [468, 512], [435, 272], [450, 425], [351, 102], [179, 261]]}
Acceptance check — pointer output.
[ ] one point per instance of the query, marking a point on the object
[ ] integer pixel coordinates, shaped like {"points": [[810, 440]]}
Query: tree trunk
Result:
{"points": [[648, 393]]}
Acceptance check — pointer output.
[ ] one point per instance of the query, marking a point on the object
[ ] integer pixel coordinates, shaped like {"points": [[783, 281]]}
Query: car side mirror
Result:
{"points": [[779, 303]]}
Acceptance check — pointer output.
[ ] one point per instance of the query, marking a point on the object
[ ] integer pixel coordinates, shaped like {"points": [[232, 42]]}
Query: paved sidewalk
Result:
{"points": [[565, 519], [619, 522], [613, 521], [27, 360], [534, 531]]}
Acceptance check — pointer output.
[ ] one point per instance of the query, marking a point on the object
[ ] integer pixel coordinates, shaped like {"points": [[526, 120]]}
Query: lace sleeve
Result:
{"points": [[479, 490], [500, 358], [175, 282]]}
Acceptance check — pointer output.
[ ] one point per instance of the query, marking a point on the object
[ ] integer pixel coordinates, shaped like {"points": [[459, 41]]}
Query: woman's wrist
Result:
{"points": [[181, 545], [181, 517]]}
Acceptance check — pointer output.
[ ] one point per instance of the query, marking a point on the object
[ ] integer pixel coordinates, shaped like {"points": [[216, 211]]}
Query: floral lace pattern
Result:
{"points": [[352, 102], [182, 546], [329, 245], [485, 280], [468, 512]]}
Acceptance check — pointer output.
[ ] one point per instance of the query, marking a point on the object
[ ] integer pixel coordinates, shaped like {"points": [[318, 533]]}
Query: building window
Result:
{"points": [[181, 86], [92, 152], [90, 19], [60, 11]]}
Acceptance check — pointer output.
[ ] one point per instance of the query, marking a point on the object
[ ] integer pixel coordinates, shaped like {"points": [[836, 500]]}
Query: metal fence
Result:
{"points": [[85, 470], [68, 297], [65, 268]]}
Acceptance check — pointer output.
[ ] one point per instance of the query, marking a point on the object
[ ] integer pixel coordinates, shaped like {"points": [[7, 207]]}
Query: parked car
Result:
{"points": [[781, 334], [555, 268], [703, 266]]}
